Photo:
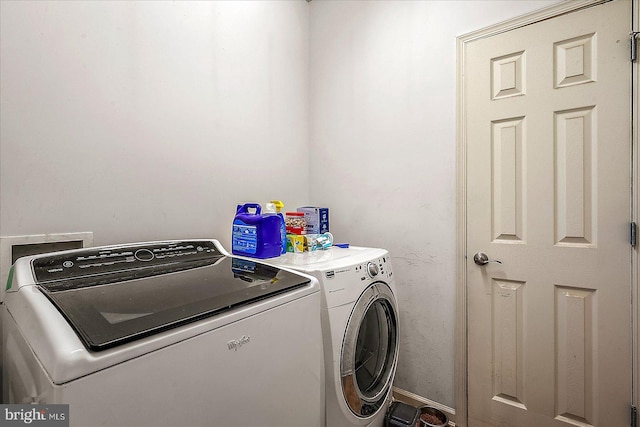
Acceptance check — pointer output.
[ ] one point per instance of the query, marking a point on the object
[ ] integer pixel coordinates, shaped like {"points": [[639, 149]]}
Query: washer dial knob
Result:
{"points": [[144, 255], [372, 269]]}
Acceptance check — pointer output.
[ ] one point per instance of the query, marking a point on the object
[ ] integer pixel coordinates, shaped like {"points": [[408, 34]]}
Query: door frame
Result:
{"points": [[461, 392]]}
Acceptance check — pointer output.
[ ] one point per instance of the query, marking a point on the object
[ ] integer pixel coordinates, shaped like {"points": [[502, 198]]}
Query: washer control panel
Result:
{"points": [[91, 261]]}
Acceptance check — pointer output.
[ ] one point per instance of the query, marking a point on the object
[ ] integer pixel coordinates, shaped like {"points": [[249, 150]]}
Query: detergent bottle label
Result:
{"points": [[245, 238]]}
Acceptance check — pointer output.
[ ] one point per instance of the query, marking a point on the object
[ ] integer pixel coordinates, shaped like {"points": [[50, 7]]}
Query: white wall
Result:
{"points": [[150, 120], [382, 154]]}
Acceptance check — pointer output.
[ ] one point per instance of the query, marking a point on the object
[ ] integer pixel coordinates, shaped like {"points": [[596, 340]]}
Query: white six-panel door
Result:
{"points": [[548, 175]]}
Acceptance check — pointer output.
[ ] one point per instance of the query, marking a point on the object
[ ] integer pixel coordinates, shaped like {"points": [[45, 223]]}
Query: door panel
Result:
{"points": [[547, 125]]}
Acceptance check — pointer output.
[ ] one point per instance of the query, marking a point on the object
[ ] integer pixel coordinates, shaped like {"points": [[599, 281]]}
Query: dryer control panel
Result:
{"points": [[345, 284], [375, 269]]}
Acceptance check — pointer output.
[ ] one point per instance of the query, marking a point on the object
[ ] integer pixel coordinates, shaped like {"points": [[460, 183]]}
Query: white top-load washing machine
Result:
{"points": [[360, 329], [174, 333]]}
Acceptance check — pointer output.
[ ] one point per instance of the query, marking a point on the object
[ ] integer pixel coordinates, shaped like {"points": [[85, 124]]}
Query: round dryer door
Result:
{"points": [[370, 350]]}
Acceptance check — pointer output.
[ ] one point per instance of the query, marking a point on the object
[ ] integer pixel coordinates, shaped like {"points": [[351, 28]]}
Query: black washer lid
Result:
{"points": [[120, 306]]}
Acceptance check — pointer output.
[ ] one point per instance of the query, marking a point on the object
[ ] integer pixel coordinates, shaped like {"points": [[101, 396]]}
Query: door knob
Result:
{"points": [[481, 259]]}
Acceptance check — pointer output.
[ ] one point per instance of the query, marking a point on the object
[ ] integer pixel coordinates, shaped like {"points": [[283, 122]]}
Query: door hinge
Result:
{"points": [[634, 45], [633, 233], [634, 416]]}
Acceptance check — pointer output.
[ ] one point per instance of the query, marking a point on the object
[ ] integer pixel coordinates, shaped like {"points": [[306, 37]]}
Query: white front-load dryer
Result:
{"points": [[359, 317]]}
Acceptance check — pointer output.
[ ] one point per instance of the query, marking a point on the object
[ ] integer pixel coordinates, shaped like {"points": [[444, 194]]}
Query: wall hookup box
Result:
{"points": [[317, 219]]}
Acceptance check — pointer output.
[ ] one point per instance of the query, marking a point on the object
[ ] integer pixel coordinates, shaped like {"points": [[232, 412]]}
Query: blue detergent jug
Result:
{"points": [[255, 235]]}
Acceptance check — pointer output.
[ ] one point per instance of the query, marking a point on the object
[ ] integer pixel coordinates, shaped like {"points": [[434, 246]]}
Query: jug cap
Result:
{"points": [[278, 204], [270, 208]]}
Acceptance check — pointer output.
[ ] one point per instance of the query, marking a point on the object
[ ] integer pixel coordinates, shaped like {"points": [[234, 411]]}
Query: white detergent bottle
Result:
{"points": [[283, 227]]}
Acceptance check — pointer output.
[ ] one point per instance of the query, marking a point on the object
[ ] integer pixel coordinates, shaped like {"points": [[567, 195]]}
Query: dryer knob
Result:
{"points": [[372, 269]]}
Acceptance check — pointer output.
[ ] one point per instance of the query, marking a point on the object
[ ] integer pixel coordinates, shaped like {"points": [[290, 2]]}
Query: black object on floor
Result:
{"points": [[401, 415]]}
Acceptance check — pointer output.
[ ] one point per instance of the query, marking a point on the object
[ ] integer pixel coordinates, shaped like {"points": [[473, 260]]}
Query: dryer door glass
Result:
{"points": [[369, 350]]}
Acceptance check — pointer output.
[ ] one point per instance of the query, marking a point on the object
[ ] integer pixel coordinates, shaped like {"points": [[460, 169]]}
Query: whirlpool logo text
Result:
{"points": [[236, 344]]}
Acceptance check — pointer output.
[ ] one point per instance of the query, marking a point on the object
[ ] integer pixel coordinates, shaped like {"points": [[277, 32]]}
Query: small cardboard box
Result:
{"points": [[295, 243], [317, 219]]}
